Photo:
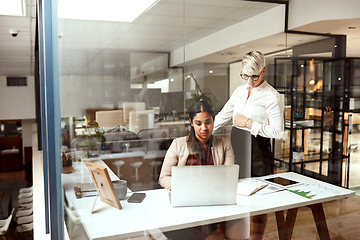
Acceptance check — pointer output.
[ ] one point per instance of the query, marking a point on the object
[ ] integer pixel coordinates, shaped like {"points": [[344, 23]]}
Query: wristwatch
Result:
{"points": [[246, 122]]}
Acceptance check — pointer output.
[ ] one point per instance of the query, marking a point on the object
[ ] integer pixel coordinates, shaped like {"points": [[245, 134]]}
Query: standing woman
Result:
{"points": [[257, 115]]}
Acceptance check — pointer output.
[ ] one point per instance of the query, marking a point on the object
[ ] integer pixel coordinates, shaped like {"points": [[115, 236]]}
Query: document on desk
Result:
{"points": [[315, 191], [249, 186]]}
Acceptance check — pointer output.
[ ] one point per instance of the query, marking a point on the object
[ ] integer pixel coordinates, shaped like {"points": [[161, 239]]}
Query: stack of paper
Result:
{"points": [[250, 186]]}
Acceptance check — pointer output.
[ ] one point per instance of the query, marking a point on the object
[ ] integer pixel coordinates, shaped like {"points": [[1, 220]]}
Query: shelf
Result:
{"points": [[314, 115], [302, 127]]}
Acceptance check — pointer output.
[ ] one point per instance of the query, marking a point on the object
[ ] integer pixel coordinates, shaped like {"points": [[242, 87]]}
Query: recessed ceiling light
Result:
{"points": [[104, 10], [226, 53], [211, 71]]}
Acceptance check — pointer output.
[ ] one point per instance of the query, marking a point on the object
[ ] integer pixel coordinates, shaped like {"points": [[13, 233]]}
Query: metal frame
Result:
{"points": [[50, 117]]}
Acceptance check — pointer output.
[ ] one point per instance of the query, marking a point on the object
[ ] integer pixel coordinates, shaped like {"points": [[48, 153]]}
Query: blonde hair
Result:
{"points": [[253, 63]]}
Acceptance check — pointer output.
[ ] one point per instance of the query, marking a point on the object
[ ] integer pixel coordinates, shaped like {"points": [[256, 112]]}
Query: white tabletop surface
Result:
{"points": [[155, 212], [128, 155], [80, 176]]}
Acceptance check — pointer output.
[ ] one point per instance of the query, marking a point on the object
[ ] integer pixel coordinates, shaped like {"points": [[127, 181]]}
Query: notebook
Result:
{"points": [[204, 185], [249, 186]]}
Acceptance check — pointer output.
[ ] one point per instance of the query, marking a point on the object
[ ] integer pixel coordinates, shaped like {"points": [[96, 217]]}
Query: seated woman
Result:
{"points": [[200, 147]]}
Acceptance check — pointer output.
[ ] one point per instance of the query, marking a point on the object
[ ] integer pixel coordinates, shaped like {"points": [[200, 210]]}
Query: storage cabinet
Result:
{"points": [[316, 93]]}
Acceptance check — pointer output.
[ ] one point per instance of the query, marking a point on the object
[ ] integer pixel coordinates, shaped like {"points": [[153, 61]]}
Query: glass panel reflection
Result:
{"points": [[125, 91]]}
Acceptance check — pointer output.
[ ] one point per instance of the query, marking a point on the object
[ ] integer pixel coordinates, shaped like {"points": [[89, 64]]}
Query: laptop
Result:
{"points": [[206, 185]]}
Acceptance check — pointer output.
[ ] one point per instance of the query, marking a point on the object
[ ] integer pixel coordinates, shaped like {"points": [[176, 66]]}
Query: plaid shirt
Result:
{"points": [[203, 156]]}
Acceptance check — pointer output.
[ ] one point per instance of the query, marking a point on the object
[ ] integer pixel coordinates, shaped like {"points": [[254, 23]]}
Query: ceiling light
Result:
{"points": [[211, 71], [226, 53], [104, 10], [312, 81], [13, 7], [352, 27]]}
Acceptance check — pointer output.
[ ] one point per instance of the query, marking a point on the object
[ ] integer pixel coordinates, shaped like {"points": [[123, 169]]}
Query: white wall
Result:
{"points": [[302, 12], [265, 24], [17, 102], [79, 93], [27, 130], [234, 78], [29, 133]]}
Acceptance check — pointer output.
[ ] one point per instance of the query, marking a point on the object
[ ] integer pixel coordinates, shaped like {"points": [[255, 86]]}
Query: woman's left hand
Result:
{"points": [[242, 121], [239, 121]]}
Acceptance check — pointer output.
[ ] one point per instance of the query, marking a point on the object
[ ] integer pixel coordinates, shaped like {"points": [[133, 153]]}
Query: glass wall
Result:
{"points": [[353, 118], [126, 88]]}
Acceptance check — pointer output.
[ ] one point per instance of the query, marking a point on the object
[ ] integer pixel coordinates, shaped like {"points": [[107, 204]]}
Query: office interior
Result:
{"points": [[124, 88]]}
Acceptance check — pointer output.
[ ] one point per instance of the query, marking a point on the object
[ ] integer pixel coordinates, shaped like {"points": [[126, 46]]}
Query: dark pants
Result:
{"points": [[253, 154]]}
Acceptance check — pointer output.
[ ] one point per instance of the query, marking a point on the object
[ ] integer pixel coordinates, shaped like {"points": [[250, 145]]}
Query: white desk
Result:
{"points": [[80, 176], [126, 155], [155, 212]]}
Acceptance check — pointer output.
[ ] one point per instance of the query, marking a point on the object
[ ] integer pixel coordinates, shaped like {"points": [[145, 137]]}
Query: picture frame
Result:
{"points": [[103, 184]]}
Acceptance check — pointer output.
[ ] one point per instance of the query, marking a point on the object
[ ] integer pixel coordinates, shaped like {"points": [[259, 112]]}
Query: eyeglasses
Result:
{"points": [[246, 77]]}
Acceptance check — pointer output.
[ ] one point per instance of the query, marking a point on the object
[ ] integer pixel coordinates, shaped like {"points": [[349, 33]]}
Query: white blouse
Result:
{"points": [[263, 107]]}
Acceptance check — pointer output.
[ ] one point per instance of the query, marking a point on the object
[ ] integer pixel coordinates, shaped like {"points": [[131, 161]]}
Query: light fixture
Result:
{"points": [[226, 53], [312, 81], [211, 71], [104, 10], [311, 65], [13, 7]]}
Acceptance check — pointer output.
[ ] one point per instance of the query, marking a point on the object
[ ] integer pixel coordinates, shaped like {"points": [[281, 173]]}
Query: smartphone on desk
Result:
{"points": [[136, 198], [282, 181]]}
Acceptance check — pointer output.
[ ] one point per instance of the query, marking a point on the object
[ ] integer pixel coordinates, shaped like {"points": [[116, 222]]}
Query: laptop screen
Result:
{"points": [[204, 185]]}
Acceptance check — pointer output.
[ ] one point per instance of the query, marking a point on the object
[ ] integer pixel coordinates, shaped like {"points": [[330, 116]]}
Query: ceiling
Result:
{"points": [[104, 47], [17, 53]]}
